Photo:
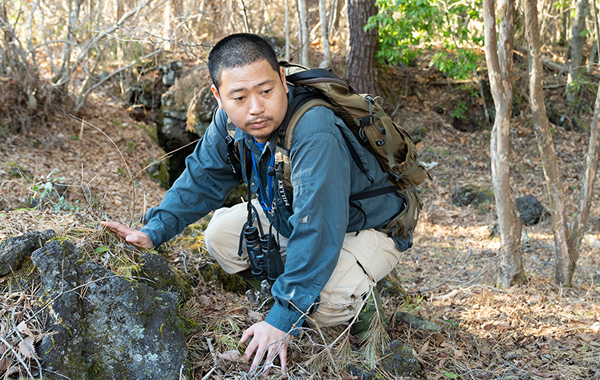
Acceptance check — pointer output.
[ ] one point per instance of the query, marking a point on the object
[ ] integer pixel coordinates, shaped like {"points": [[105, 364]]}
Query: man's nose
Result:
{"points": [[256, 106]]}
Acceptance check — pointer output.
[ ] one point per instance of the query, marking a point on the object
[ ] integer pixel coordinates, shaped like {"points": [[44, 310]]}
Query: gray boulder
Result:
{"points": [[471, 194], [532, 211], [103, 325], [15, 249]]}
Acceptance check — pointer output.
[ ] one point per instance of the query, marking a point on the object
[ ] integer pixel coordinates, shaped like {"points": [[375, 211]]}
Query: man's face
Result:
{"points": [[254, 97]]}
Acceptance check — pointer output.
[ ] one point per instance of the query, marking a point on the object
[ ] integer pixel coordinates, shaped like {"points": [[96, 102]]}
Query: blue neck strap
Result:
{"points": [[265, 206]]}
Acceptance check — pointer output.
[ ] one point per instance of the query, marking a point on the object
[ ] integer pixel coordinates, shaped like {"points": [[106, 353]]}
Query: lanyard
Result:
{"points": [[265, 206]]}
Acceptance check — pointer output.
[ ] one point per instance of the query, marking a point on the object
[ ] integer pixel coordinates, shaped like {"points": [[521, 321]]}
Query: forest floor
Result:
{"points": [[533, 331]]}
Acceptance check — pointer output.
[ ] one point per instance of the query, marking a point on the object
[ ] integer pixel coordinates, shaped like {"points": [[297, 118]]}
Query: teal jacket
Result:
{"points": [[323, 176]]}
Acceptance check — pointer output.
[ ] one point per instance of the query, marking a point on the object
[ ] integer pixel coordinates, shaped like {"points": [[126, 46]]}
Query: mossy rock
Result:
{"points": [[472, 194], [398, 360], [159, 172]]}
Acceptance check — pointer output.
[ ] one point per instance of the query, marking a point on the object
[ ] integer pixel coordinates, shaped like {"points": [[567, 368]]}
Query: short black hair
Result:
{"points": [[237, 50]]}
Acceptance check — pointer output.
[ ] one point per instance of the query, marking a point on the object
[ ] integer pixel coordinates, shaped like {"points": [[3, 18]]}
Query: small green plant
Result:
{"points": [[460, 111], [450, 375], [45, 185], [118, 123], [130, 146], [44, 189]]}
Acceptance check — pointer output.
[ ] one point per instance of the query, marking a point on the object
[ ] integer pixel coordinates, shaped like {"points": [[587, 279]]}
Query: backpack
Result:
{"points": [[392, 146]]}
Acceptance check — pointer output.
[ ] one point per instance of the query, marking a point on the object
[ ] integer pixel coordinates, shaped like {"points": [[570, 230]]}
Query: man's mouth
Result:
{"points": [[258, 123]]}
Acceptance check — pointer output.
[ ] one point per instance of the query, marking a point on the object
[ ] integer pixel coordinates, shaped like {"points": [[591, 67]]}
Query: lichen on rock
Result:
{"points": [[99, 323]]}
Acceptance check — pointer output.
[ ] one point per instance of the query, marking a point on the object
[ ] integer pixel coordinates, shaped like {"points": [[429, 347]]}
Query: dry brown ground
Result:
{"points": [[534, 331]]}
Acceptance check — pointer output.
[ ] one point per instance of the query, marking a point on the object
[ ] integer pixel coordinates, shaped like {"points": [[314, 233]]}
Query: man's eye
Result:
{"points": [[239, 98], [267, 91]]}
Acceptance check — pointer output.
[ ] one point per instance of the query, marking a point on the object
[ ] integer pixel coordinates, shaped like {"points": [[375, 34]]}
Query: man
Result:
{"points": [[334, 254]]}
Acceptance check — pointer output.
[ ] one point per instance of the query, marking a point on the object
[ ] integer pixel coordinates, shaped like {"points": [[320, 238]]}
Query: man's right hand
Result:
{"points": [[132, 236]]}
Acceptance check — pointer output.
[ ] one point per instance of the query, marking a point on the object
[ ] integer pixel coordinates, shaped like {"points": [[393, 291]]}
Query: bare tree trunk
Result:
{"points": [[62, 81], [119, 6], [546, 7], [595, 51], [564, 265], [303, 16], [335, 11], [564, 27], [591, 167], [592, 59], [168, 24], [247, 27], [511, 266], [287, 30], [578, 42], [361, 68], [325, 35], [506, 43]]}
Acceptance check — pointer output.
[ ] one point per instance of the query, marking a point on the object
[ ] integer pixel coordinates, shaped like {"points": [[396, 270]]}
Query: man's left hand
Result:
{"points": [[266, 339]]}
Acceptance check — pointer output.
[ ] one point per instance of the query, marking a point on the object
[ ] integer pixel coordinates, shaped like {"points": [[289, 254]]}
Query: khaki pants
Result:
{"points": [[364, 259]]}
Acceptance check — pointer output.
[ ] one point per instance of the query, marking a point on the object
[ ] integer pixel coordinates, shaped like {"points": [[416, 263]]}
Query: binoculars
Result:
{"points": [[263, 253]]}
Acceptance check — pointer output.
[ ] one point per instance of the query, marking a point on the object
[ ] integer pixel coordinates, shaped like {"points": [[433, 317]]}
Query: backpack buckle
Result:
{"points": [[365, 121]]}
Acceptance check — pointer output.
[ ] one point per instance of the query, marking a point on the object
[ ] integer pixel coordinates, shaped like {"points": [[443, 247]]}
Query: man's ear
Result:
{"points": [[282, 75], [215, 92]]}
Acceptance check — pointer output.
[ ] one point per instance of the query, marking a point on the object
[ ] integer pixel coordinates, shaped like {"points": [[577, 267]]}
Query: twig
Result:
{"points": [[209, 373], [161, 158], [33, 354], [212, 351], [10, 347]]}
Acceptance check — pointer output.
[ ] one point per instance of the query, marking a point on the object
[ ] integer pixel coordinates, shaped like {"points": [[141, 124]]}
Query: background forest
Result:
{"points": [[100, 101]]}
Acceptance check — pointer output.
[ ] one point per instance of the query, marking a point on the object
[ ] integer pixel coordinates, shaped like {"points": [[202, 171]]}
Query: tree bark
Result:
{"points": [[511, 266], [591, 167], [287, 30], [564, 265], [335, 11], [578, 42], [303, 16], [325, 35], [506, 43], [595, 51], [585, 198], [361, 67], [62, 80]]}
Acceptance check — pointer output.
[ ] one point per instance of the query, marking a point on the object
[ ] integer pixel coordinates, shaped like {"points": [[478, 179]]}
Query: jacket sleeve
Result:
{"points": [[320, 174], [201, 188]]}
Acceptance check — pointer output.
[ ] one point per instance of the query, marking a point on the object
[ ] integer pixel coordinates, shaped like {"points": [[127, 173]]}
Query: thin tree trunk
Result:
{"points": [[335, 9], [361, 68], [325, 35], [595, 51], [62, 82], [511, 266], [564, 266], [506, 42], [589, 176], [578, 42], [245, 16], [592, 58], [167, 24], [303, 16], [287, 30]]}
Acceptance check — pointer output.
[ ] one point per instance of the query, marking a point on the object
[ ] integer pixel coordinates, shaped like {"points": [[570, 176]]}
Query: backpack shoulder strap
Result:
{"points": [[295, 117], [233, 151]]}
